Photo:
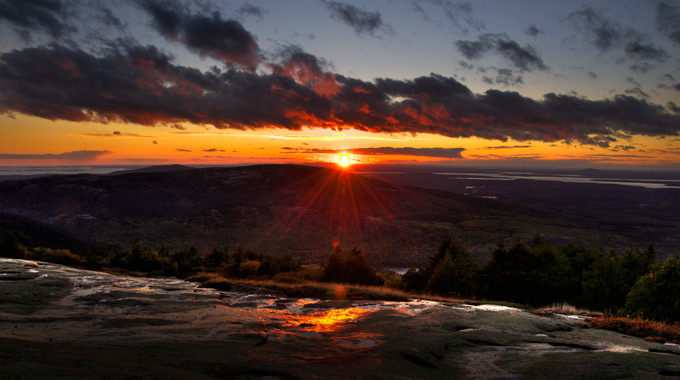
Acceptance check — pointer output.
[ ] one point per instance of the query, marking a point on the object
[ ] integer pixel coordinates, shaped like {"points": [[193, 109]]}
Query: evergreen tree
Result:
{"points": [[351, 268], [455, 274]]}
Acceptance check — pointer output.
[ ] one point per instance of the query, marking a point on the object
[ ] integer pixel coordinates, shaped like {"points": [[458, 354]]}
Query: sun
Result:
{"points": [[344, 160]]}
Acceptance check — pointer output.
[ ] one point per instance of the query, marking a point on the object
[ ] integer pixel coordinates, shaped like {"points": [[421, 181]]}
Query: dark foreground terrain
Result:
{"points": [[62, 323], [302, 211]]}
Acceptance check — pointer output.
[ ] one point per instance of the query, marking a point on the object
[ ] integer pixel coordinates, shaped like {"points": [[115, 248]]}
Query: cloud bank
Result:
{"points": [[141, 85]]}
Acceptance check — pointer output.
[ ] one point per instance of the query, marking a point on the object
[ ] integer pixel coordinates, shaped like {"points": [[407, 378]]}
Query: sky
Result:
{"points": [[493, 83]]}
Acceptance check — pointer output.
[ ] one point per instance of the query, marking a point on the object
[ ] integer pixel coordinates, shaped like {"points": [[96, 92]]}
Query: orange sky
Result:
{"points": [[130, 144]]}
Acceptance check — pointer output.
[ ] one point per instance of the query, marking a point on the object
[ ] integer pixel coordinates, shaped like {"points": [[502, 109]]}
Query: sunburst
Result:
{"points": [[344, 160]]}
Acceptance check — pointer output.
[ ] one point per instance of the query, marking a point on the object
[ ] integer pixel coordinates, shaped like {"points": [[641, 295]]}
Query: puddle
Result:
{"points": [[620, 349]]}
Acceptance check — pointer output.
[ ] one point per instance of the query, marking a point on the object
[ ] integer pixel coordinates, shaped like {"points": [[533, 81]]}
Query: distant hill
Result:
{"points": [[153, 169], [284, 209]]}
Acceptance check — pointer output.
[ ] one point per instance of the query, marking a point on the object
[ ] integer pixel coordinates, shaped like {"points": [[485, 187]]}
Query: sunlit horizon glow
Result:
{"points": [[507, 84]]}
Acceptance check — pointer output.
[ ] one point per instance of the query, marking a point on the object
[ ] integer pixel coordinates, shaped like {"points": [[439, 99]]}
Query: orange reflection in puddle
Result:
{"points": [[322, 321]]}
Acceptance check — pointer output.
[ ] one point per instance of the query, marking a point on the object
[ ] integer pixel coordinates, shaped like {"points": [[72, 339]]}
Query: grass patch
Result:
{"points": [[638, 327], [565, 308]]}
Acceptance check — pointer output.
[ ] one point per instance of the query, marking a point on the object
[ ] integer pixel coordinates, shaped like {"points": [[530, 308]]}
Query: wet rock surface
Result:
{"points": [[60, 322]]}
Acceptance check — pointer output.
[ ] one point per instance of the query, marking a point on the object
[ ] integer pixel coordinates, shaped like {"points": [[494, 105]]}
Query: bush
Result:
{"points": [[248, 268], [57, 256], [638, 327], [657, 294]]}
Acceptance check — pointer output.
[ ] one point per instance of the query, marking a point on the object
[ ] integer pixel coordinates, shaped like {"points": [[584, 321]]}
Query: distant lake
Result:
{"points": [[574, 178]]}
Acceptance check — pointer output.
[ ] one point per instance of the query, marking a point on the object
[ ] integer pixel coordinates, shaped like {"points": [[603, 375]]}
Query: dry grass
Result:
{"points": [[638, 327], [565, 308]]}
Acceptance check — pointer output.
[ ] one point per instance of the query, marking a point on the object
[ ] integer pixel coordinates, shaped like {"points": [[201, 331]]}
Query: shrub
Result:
{"points": [[657, 294], [638, 327], [57, 256], [248, 268]]}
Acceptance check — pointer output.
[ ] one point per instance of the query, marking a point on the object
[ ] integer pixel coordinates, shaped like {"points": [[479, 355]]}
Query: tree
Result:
{"points": [[351, 268], [657, 294], [417, 279], [215, 258], [456, 273], [604, 283]]}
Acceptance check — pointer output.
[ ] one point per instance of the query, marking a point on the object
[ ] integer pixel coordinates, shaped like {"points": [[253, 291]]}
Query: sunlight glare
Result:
{"points": [[344, 160]]}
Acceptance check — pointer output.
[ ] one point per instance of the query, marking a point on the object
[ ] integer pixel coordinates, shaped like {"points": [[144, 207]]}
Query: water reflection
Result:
{"points": [[321, 321]]}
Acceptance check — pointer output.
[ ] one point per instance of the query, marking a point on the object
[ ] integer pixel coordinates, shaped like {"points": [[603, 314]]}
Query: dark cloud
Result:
{"points": [[183, 150], [643, 67], [114, 134], [141, 85], [363, 22], [28, 16], [592, 75], [645, 51], [407, 151], [637, 91], [213, 150], [508, 147], [606, 35], [676, 86], [668, 20], [632, 81], [79, 155], [210, 36], [532, 30], [524, 58], [251, 10], [107, 17], [623, 147], [506, 77], [459, 14], [466, 65], [154, 142], [669, 77], [600, 32], [674, 107]]}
